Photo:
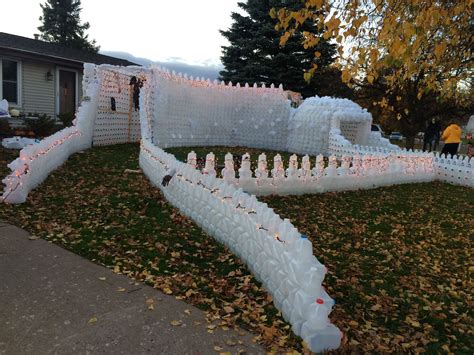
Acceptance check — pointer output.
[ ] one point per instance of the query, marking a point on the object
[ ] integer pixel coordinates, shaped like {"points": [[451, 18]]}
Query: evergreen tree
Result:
{"points": [[255, 54], [62, 25]]}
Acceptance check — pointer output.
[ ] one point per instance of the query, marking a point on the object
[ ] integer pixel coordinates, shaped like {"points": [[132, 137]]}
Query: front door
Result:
{"points": [[67, 91]]}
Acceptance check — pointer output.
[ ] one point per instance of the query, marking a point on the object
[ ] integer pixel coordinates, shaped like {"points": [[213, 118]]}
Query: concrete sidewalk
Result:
{"points": [[53, 301]]}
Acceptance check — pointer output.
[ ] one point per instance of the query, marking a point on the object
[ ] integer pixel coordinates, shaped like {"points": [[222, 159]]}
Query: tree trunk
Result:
{"points": [[410, 142]]}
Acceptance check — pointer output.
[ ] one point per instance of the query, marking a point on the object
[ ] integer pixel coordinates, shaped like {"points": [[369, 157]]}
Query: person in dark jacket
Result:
{"points": [[437, 135], [432, 134]]}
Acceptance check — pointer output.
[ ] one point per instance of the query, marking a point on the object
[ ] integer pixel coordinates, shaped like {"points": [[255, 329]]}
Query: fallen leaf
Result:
{"points": [[376, 307], [176, 322], [231, 342], [228, 309], [93, 320], [102, 278], [150, 302], [132, 171]]}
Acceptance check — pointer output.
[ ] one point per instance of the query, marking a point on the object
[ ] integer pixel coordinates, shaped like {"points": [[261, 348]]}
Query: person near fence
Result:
{"points": [[432, 133], [437, 135], [451, 137]]}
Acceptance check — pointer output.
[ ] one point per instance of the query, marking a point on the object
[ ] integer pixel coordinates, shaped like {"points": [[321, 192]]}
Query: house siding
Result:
{"points": [[38, 93]]}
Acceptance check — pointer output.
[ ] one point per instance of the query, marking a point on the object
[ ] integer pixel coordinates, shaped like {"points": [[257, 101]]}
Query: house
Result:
{"points": [[42, 77]]}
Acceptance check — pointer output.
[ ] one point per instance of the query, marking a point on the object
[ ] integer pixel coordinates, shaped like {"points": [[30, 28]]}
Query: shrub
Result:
{"points": [[43, 125], [5, 129], [67, 118]]}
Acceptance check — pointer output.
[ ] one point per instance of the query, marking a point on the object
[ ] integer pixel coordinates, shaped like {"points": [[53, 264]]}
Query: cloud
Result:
{"points": [[207, 69]]}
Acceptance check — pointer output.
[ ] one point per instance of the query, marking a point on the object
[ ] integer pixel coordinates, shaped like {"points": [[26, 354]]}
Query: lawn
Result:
{"points": [[398, 257]]}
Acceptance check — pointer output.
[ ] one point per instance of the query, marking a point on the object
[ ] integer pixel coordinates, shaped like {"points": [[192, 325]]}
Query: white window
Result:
{"points": [[10, 81]]}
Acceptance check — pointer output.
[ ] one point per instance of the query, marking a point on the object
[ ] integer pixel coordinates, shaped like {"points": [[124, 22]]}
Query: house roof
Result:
{"points": [[53, 50]]}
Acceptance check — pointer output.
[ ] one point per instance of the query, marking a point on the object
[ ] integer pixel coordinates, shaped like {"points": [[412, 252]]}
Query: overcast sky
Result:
{"points": [[183, 31]]}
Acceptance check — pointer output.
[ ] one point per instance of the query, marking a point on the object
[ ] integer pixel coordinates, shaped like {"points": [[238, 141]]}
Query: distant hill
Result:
{"points": [[208, 72]]}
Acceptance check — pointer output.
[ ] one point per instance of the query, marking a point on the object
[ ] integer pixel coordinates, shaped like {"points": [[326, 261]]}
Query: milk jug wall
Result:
{"points": [[200, 113], [176, 111]]}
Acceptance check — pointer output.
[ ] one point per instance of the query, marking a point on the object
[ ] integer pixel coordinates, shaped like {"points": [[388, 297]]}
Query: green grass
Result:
{"points": [[398, 257]]}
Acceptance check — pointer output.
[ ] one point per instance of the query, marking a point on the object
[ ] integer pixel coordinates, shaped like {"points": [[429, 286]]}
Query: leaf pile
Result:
{"points": [[397, 257]]}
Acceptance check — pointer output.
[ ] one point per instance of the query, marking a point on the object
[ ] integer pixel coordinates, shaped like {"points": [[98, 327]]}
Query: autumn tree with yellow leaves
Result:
{"points": [[413, 53]]}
